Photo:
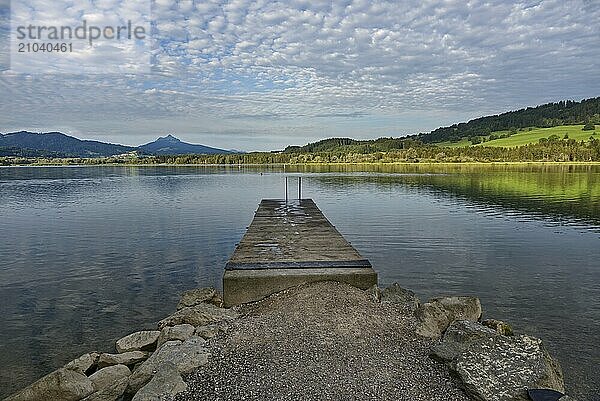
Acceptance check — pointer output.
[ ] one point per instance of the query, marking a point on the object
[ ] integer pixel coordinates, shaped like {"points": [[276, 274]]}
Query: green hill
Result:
{"points": [[514, 128], [547, 115]]}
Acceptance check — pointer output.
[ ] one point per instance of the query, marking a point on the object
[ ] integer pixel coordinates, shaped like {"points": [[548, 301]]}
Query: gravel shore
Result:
{"points": [[323, 341]]}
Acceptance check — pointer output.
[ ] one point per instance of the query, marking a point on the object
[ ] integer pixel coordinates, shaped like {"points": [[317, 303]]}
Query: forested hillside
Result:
{"points": [[547, 115], [24, 142], [482, 129], [356, 146]]}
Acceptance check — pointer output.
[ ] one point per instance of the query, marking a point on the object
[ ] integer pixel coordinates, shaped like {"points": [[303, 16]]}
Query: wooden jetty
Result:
{"points": [[289, 243]]}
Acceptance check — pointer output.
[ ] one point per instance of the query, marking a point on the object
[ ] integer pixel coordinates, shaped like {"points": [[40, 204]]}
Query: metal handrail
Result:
{"points": [[299, 188]]}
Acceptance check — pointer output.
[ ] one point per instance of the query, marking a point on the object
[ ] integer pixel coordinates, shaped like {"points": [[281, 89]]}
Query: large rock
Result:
{"points": [[198, 315], [139, 341], [493, 367], [109, 375], [186, 357], [62, 384], [166, 383], [437, 314], [180, 332], [113, 392], [200, 296], [84, 364], [458, 337], [398, 295], [127, 358], [511, 364]]}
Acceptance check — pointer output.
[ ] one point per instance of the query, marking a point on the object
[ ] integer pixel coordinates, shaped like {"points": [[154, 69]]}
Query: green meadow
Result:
{"points": [[531, 135], [526, 136]]}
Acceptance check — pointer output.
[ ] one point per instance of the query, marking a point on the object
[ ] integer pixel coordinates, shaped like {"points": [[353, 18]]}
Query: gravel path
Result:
{"points": [[323, 341]]}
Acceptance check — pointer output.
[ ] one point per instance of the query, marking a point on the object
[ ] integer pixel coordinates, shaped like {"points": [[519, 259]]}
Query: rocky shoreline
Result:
{"points": [[323, 340]]}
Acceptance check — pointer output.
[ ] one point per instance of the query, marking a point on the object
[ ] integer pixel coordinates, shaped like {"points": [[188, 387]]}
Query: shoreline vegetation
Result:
{"points": [[347, 151]]}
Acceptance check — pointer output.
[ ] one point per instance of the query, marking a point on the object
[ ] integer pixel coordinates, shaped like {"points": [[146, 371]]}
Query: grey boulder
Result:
{"points": [[109, 375], [198, 315], [458, 337], [138, 341], [84, 363], [62, 384], [437, 314], [113, 392], [127, 358], [179, 332], [186, 357], [166, 383], [493, 367]]}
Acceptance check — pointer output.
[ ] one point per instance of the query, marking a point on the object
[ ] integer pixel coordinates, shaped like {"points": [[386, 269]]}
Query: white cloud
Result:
{"points": [[282, 66]]}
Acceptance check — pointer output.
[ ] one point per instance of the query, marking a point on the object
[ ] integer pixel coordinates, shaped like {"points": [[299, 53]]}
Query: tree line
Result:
{"points": [[547, 150]]}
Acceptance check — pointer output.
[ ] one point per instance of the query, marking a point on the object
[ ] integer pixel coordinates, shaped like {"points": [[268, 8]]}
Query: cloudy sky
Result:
{"points": [[259, 74]]}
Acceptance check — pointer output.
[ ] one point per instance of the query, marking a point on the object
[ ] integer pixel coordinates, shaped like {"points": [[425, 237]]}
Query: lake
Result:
{"points": [[89, 254]]}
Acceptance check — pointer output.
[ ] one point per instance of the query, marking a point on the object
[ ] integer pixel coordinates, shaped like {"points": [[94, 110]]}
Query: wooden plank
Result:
{"points": [[293, 235]]}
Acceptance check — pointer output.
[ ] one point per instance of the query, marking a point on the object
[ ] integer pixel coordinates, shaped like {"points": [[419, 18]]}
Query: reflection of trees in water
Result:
{"points": [[444, 168], [557, 193]]}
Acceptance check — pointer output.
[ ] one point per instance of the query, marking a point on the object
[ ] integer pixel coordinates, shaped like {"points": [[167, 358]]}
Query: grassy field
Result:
{"points": [[531, 135], [525, 137]]}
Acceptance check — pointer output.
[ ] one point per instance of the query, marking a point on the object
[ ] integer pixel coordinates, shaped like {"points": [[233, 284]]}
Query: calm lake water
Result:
{"points": [[89, 254]]}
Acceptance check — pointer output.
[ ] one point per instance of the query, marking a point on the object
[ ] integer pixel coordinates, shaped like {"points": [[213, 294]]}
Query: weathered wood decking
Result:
{"points": [[293, 235], [287, 244]]}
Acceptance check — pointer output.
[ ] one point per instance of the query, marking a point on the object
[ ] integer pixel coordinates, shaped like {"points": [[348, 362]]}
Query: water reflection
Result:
{"points": [[574, 202], [89, 253]]}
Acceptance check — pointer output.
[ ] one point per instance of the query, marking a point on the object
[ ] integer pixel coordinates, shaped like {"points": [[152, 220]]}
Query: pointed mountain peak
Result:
{"points": [[169, 138], [169, 145]]}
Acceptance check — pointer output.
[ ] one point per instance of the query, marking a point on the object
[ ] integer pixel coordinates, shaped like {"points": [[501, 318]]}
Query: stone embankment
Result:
{"points": [[317, 341]]}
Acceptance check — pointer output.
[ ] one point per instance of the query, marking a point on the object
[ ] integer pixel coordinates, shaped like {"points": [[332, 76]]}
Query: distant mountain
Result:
{"points": [[169, 145], [56, 144], [547, 115], [59, 144]]}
